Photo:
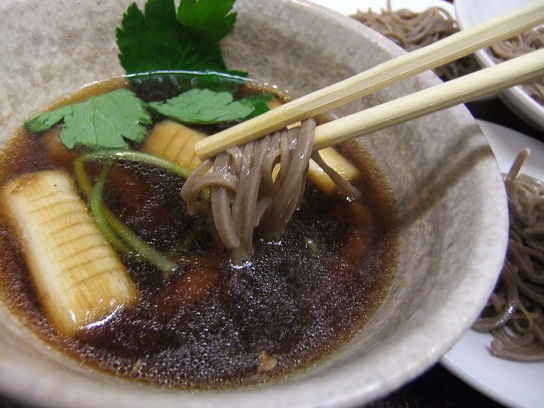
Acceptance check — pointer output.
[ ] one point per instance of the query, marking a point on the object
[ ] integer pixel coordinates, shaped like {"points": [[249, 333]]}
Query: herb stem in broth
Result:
{"points": [[97, 209], [117, 233]]}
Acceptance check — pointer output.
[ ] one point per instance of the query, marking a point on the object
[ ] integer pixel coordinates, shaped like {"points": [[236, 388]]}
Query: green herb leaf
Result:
{"points": [[47, 120], [202, 106], [162, 39], [258, 103], [212, 19], [103, 121]]}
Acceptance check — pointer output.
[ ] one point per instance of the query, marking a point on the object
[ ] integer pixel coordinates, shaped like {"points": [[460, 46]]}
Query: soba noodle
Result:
{"points": [[519, 45], [411, 31], [514, 314], [246, 192]]}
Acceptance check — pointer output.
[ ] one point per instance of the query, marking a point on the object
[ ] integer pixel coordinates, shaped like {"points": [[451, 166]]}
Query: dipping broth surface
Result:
{"points": [[210, 323]]}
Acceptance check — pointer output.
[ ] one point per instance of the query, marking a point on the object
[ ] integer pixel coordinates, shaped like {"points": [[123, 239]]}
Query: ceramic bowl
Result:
{"points": [[448, 190], [468, 14]]}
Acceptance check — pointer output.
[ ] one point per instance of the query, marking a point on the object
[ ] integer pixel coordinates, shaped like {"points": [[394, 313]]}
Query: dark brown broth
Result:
{"points": [[292, 302]]}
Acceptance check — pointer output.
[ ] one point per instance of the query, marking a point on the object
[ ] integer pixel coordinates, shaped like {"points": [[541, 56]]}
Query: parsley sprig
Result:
{"points": [[108, 120], [104, 121], [202, 106], [161, 38]]}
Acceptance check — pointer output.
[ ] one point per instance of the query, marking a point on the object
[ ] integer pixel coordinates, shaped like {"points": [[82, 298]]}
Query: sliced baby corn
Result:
{"points": [[321, 179], [78, 277], [337, 162], [175, 142]]}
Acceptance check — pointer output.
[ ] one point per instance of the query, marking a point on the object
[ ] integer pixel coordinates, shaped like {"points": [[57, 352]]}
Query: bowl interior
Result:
{"points": [[449, 193], [468, 14]]}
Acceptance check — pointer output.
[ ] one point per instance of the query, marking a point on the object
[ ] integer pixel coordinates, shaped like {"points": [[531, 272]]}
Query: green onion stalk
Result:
{"points": [[118, 234]]}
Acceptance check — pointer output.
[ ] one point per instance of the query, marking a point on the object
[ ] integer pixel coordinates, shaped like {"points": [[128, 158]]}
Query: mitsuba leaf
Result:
{"points": [[213, 19], [47, 120], [150, 41], [161, 39], [258, 103], [103, 121], [202, 106]]}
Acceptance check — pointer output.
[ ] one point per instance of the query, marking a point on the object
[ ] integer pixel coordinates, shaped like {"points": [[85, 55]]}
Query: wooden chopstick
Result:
{"points": [[445, 95], [451, 48]]}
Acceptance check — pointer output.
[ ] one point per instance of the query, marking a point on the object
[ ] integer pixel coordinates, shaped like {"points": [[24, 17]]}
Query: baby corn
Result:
{"points": [[78, 277], [175, 142], [337, 162], [332, 158]]}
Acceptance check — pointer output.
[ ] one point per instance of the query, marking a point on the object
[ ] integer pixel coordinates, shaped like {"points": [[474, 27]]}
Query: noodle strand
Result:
{"points": [[243, 191], [411, 31], [514, 314]]}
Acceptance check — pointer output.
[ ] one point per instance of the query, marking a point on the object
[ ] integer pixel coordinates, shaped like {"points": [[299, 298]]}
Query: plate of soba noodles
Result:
{"points": [[527, 100], [515, 376], [411, 24]]}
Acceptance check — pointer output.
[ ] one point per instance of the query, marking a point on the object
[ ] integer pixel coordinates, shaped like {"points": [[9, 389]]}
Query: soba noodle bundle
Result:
{"points": [[246, 190], [514, 314], [519, 45], [411, 31]]}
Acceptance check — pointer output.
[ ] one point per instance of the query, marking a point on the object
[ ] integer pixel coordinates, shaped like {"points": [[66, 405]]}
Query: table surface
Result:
{"points": [[436, 388]]}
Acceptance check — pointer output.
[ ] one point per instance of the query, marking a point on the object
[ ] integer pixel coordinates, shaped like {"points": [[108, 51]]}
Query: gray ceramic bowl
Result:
{"points": [[448, 187]]}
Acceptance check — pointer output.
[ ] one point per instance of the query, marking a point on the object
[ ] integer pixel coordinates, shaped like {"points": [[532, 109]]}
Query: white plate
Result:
{"points": [[510, 383], [471, 12]]}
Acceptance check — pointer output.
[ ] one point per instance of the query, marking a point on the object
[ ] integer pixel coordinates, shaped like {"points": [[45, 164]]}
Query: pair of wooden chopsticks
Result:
{"points": [[464, 89]]}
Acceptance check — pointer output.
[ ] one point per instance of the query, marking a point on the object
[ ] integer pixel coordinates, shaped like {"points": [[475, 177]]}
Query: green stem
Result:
{"points": [[122, 237], [113, 155], [98, 211], [110, 156]]}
